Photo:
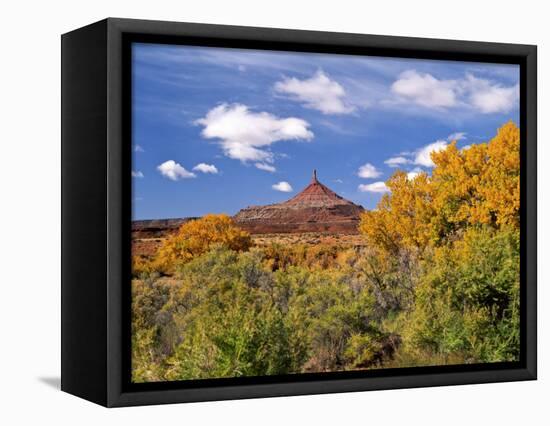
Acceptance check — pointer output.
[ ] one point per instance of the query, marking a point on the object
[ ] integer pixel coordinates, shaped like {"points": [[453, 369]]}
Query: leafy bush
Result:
{"points": [[225, 314], [197, 237], [318, 256], [232, 327], [152, 331], [468, 301]]}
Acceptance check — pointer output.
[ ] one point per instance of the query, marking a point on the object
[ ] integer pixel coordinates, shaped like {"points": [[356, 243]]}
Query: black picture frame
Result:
{"points": [[96, 211]]}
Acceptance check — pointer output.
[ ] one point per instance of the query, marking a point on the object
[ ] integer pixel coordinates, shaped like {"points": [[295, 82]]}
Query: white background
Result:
{"points": [[30, 212]]}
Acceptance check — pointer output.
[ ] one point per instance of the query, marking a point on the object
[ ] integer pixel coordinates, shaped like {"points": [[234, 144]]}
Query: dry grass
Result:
{"points": [[147, 247], [313, 238]]}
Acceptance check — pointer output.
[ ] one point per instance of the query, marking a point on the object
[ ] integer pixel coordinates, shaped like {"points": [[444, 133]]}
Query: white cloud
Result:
{"points": [[457, 136], [423, 155], [414, 173], [397, 161], [489, 97], [282, 186], [338, 181], [138, 148], [479, 94], [318, 92], [206, 168], [368, 171], [137, 174], [425, 89], [378, 187], [266, 167], [174, 171], [246, 136]]}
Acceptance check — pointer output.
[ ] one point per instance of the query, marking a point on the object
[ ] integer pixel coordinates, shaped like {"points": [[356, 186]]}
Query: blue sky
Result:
{"points": [[216, 130]]}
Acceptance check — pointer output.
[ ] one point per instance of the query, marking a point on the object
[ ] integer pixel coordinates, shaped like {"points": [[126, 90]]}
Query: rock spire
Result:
{"points": [[316, 208]]}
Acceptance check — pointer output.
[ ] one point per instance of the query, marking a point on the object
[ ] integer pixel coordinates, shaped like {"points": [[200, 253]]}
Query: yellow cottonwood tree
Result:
{"points": [[478, 185], [462, 224], [501, 180], [198, 236], [402, 218]]}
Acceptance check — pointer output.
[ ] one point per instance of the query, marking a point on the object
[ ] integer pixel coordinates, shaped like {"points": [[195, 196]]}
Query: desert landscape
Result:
{"points": [[317, 283], [302, 213]]}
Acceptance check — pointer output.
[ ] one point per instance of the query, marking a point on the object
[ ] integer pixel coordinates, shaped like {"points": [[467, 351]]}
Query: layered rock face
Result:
{"points": [[316, 209]]}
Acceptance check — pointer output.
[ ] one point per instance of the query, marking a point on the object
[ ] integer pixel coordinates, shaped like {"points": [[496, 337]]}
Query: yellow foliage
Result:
{"points": [[140, 265], [318, 256], [198, 236], [144, 265], [479, 185], [474, 186], [402, 218]]}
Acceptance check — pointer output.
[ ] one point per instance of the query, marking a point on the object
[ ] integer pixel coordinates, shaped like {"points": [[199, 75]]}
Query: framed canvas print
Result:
{"points": [[253, 212]]}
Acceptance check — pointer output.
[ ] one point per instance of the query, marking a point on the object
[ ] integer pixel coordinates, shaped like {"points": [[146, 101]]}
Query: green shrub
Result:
{"points": [[467, 301]]}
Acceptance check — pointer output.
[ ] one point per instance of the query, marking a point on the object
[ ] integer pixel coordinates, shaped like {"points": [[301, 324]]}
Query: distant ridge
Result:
{"points": [[156, 228], [315, 209]]}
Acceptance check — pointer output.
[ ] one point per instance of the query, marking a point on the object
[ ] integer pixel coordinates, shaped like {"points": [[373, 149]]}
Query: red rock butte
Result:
{"points": [[315, 209]]}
